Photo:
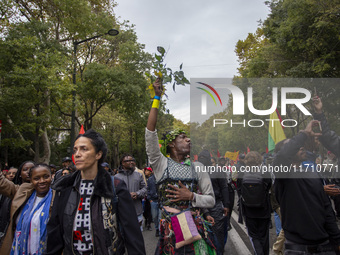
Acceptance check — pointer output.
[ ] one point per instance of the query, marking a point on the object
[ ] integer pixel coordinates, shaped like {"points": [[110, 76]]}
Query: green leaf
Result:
{"points": [[166, 79], [180, 67], [161, 50], [185, 80]]}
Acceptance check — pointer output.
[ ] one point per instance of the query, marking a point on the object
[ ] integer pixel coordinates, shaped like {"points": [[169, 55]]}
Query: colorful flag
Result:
{"points": [[231, 155], [81, 132], [276, 133], [218, 154]]}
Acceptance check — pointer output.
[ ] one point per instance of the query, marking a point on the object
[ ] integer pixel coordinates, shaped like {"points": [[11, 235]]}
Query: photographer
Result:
{"points": [[331, 141]]}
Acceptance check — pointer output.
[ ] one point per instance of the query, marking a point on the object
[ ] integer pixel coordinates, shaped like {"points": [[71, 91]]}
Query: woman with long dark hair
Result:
{"points": [[22, 176], [5, 201], [26, 233]]}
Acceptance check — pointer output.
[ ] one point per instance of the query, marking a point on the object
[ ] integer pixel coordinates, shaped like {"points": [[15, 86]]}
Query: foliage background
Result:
{"points": [[299, 39]]}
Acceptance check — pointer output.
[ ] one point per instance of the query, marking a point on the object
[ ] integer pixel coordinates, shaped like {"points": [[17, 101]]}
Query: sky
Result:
{"points": [[200, 34]]}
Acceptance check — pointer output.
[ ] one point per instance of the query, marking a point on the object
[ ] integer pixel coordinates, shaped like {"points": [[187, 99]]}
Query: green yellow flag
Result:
{"points": [[276, 133]]}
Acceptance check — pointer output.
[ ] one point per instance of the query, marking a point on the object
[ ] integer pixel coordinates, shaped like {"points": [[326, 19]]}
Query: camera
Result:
{"points": [[317, 128]]}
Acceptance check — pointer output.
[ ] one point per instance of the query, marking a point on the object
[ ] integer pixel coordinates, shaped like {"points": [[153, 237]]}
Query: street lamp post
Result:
{"points": [[111, 32]]}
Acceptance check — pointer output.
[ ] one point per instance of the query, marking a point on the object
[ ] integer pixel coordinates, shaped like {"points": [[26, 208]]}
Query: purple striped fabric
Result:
{"points": [[191, 223], [177, 229]]}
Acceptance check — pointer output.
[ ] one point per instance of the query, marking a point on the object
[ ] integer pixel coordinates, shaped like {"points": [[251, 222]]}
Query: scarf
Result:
{"points": [[23, 233]]}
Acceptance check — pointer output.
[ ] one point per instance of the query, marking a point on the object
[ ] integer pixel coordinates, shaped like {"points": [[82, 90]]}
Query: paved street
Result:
{"points": [[238, 242]]}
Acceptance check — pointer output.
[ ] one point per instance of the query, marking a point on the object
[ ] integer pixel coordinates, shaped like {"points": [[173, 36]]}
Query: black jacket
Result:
{"points": [[330, 140], [5, 215], [60, 226], [218, 180], [152, 189], [306, 210], [220, 187]]}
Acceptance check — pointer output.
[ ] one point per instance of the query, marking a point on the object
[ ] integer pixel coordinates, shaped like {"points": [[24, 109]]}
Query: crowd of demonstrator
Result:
{"points": [[87, 208]]}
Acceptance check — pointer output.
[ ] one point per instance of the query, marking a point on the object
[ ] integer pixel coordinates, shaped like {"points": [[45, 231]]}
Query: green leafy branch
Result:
{"points": [[165, 73]]}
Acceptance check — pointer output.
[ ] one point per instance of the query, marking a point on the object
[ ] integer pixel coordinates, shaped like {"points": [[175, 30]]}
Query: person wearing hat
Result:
{"points": [[66, 162], [107, 168]]}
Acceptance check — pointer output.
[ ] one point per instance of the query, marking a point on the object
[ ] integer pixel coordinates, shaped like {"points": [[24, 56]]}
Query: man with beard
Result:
{"points": [[134, 182]]}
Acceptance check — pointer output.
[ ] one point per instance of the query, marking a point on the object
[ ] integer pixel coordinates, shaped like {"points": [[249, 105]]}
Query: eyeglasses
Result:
{"points": [[131, 160]]}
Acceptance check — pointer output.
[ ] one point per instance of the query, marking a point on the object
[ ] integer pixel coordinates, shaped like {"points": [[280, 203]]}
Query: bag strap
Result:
{"points": [[115, 197], [115, 205]]}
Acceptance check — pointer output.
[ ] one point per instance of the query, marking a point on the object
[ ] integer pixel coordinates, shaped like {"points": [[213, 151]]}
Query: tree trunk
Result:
{"points": [[30, 150], [47, 148], [6, 154], [116, 154], [131, 146], [36, 144]]}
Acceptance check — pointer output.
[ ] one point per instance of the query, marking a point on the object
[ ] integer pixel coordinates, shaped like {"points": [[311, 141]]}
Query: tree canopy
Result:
{"points": [[37, 57], [298, 39]]}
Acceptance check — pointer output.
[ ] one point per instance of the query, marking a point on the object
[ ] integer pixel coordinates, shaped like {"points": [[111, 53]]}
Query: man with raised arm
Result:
{"points": [[178, 183]]}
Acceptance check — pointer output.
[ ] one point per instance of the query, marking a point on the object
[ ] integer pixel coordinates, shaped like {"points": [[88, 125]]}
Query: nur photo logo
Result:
{"points": [[204, 96]]}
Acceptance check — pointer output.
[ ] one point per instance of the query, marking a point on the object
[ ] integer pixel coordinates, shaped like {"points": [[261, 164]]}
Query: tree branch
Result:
{"points": [[59, 108], [30, 150]]}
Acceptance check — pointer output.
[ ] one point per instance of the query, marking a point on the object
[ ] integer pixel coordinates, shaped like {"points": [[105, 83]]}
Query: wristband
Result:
{"points": [[155, 103], [157, 97]]}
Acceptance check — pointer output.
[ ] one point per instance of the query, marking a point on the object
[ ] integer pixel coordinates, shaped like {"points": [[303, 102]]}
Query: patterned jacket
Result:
{"points": [[114, 227]]}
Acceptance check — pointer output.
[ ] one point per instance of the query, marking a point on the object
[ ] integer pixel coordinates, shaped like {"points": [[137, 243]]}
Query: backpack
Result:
{"points": [[253, 190]]}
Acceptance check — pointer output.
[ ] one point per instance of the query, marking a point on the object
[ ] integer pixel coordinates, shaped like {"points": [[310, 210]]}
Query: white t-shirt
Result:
{"points": [[33, 244]]}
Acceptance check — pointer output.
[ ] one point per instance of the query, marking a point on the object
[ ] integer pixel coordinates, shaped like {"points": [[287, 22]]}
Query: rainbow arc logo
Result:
{"points": [[209, 93]]}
